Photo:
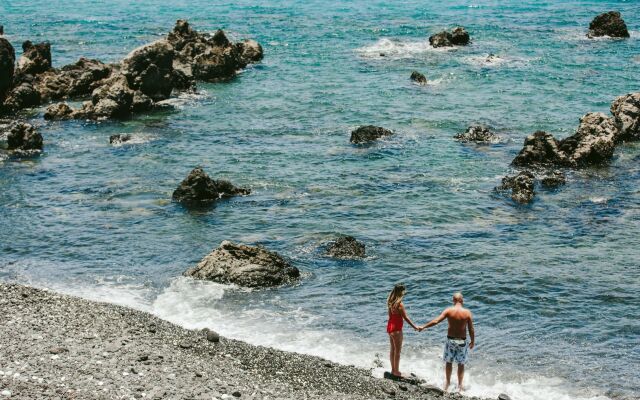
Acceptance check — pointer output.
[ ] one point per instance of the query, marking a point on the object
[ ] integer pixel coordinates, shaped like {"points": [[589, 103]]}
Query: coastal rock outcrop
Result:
{"points": [[418, 78], [198, 189], [457, 37], [593, 142], [149, 74], [23, 137], [73, 80], [59, 111], [478, 134], [608, 24], [541, 148], [346, 247], [35, 58], [521, 187], [243, 265], [369, 133], [626, 113], [7, 65], [23, 95], [149, 68]]}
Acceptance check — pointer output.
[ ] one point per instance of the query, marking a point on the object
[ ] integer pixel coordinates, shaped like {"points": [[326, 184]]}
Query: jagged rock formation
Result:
{"points": [[418, 78], [477, 134], [608, 24], [368, 133], [198, 189], [457, 37]]}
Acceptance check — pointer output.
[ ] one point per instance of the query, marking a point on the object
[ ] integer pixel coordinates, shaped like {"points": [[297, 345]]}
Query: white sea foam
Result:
{"points": [[392, 48]]}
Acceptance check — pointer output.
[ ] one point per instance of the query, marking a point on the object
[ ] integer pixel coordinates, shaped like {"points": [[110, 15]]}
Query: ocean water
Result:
{"points": [[554, 286]]}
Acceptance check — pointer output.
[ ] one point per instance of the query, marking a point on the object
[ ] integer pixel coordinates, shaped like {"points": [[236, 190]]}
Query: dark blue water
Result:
{"points": [[554, 286]]}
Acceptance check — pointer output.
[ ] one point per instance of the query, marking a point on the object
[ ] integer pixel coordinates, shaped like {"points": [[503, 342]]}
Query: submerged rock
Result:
{"points": [[458, 37], [541, 148], [418, 78], [478, 134], [553, 180], [593, 142], [626, 113], [244, 265], [198, 189], [7, 65], [521, 187], [369, 133], [346, 247], [119, 138], [23, 137], [35, 58], [608, 24]]}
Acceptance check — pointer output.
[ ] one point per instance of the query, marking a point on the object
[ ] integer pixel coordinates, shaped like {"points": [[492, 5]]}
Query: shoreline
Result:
{"points": [[59, 346]]}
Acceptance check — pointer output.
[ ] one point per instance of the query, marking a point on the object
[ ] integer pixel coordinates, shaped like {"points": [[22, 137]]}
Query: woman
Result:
{"points": [[397, 315]]}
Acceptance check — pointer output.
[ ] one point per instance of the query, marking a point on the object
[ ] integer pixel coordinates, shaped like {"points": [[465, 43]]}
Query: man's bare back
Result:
{"points": [[458, 318]]}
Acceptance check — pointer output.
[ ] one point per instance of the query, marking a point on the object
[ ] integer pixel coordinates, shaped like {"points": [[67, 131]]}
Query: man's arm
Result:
{"points": [[437, 320], [472, 333]]}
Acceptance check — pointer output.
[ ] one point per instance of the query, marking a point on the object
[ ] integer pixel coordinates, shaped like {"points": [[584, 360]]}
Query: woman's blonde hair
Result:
{"points": [[396, 295]]}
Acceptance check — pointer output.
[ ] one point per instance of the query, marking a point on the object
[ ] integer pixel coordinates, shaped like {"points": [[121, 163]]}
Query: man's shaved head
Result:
{"points": [[457, 298]]}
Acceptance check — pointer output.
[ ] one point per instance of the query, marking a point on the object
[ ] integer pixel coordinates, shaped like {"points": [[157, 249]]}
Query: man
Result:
{"points": [[456, 348]]}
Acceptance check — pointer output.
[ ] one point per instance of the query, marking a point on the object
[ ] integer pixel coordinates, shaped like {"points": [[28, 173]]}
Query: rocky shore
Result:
{"points": [[63, 347]]}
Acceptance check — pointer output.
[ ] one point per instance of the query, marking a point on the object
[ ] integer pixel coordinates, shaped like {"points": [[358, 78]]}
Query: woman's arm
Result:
{"points": [[403, 312]]}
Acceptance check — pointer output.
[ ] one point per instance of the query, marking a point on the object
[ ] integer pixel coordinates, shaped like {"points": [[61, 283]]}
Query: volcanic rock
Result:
{"points": [[553, 180], [608, 24], [541, 148], [346, 247], [477, 133], [7, 64], [520, 186], [23, 137], [369, 133], [593, 142], [244, 266], [251, 51], [119, 138], [22, 96], [626, 113], [149, 68], [73, 80], [35, 58], [458, 37], [58, 111], [418, 78], [114, 99], [198, 189]]}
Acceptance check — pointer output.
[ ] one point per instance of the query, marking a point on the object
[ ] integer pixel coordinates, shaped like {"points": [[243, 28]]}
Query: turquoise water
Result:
{"points": [[554, 286]]}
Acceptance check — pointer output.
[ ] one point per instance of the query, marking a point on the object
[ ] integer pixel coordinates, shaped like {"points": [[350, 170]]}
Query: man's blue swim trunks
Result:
{"points": [[456, 351]]}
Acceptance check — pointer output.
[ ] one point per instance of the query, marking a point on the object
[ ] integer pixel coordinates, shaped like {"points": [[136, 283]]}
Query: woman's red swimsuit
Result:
{"points": [[395, 322]]}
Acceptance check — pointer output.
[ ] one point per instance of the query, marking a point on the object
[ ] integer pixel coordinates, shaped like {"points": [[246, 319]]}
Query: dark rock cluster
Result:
{"points": [[457, 37], [23, 138], [243, 265], [148, 75], [198, 189], [477, 134], [608, 24], [593, 142], [369, 133]]}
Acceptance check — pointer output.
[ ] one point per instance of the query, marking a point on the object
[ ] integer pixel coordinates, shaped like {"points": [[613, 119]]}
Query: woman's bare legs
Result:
{"points": [[396, 349]]}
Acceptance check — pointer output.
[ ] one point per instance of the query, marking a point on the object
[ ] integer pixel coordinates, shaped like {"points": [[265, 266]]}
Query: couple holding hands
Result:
{"points": [[456, 348]]}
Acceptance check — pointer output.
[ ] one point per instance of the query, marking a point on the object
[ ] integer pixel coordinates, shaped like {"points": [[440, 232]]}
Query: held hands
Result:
{"points": [[419, 328]]}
